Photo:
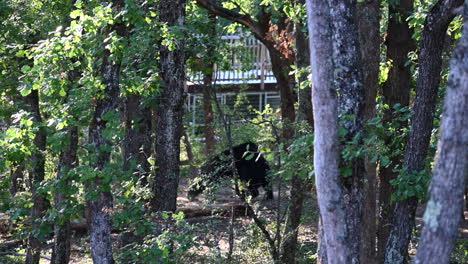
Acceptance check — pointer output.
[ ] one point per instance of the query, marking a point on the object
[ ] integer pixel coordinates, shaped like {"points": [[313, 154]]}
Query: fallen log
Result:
{"points": [[238, 209]]}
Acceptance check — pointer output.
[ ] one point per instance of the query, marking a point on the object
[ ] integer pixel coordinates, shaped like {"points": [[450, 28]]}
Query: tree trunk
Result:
{"points": [[136, 149], [100, 208], [322, 246], [62, 231], [67, 161], [442, 215], [170, 111], [137, 142], [396, 90], [276, 37], [191, 158], [36, 177], [17, 178], [369, 38], [304, 111], [326, 152], [207, 86], [299, 187], [430, 62], [348, 80], [281, 67]]}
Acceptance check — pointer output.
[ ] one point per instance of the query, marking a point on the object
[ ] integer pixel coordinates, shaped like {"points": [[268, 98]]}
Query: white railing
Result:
{"points": [[258, 71]]}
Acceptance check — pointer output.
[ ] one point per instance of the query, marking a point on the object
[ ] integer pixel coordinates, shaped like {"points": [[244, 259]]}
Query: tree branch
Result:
{"points": [[234, 16]]}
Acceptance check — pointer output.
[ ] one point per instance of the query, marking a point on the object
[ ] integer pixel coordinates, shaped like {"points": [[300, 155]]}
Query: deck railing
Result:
{"points": [[257, 70]]}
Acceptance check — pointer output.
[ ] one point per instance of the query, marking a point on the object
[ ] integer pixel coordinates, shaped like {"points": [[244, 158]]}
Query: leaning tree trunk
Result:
{"points": [[326, 153], [442, 215], [369, 38], [430, 64], [100, 209], [170, 111], [36, 176], [396, 90]]}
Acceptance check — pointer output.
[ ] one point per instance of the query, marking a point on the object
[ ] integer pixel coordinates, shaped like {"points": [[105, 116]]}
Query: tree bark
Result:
{"points": [[36, 177], [348, 80], [396, 90], [191, 158], [170, 111], [281, 67], [369, 38], [299, 187], [137, 142], [322, 246], [100, 208], [442, 215], [62, 231], [67, 161], [326, 153], [136, 149], [304, 111], [430, 64], [16, 179]]}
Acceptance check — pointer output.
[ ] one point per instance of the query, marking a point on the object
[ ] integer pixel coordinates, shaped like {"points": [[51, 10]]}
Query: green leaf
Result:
{"points": [[76, 13]]}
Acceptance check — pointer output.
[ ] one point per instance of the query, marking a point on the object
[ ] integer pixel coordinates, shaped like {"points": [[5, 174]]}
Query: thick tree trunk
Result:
{"points": [[348, 80], [170, 111], [62, 231], [396, 90], [299, 187], [326, 152], [100, 209], [210, 143], [369, 38], [36, 176], [430, 62]]}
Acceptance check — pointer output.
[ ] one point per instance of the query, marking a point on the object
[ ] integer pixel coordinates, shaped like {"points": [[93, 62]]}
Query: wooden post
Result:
{"points": [[262, 73]]}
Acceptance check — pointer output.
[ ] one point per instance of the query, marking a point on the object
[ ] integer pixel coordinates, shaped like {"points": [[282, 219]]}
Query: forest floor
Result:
{"points": [[210, 221]]}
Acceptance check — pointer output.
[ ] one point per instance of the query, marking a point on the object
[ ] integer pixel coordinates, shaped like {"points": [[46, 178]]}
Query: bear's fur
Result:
{"points": [[252, 171]]}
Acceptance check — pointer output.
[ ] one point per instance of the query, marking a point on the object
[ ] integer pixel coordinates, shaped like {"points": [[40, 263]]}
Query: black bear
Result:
{"points": [[252, 169]]}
